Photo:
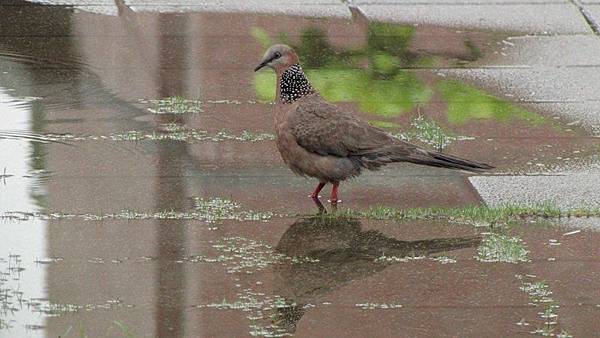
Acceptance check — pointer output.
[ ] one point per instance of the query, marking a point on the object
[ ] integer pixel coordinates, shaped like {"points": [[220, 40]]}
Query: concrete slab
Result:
{"points": [[321, 8], [560, 50], [572, 190], [563, 84], [594, 9], [559, 18], [460, 2]]}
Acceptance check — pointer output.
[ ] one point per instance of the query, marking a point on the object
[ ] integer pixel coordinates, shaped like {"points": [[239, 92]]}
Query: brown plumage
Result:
{"points": [[317, 139]]}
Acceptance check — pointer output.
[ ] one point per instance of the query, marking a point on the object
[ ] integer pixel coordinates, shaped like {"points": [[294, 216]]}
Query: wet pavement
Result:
{"points": [[141, 192]]}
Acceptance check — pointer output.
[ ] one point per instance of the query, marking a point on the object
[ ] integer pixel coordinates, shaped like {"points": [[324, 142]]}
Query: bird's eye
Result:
{"points": [[277, 55]]}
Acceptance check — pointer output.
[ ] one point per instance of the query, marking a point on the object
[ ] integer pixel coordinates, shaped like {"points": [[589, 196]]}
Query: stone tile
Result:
{"points": [[561, 50], [566, 190], [561, 18], [293, 7]]}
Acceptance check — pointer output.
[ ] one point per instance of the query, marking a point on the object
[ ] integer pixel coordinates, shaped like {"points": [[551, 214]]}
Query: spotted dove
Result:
{"points": [[318, 139]]}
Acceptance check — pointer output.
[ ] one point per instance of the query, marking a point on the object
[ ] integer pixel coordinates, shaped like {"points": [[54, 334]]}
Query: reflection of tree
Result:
{"points": [[382, 88], [375, 77], [344, 252]]}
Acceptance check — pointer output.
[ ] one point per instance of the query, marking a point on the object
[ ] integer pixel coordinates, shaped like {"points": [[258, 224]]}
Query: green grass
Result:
{"points": [[219, 209], [475, 214]]}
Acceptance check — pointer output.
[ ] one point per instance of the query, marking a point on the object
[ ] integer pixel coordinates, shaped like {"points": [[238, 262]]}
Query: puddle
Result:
{"points": [[142, 193]]}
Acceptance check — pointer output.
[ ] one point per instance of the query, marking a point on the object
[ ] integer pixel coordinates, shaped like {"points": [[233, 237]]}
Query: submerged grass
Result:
{"points": [[540, 295], [174, 105], [170, 132], [263, 312], [502, 248], [429, 132]]}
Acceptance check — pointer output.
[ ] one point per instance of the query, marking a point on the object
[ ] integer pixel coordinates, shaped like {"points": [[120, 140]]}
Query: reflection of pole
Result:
{"points": [[170, 192]]}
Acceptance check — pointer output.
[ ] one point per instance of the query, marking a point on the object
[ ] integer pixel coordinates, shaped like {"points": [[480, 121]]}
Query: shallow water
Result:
{"points": [[143, 192]]}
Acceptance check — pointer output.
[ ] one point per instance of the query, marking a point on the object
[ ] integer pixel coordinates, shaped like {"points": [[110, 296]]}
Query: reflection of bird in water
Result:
{"points": [[317, 139], [344, 252]]}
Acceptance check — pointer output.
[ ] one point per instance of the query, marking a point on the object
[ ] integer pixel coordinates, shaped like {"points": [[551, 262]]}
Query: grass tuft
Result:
{"points": [[475, 214], [502, 248]]}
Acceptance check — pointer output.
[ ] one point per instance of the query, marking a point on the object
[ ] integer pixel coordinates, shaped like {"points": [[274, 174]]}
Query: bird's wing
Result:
{"points": [[322, 128]]}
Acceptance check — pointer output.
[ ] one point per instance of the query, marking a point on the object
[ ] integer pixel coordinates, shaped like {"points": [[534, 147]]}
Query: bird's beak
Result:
{"points": [[262, 64]]}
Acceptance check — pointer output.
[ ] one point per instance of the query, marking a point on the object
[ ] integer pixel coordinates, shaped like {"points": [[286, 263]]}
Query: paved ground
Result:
{"points": [[119, 232]]}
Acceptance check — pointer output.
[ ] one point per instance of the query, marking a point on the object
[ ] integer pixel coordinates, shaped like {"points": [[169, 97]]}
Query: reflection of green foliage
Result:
{"points": [[262, 37], [473, 50], [384, 124], [283, 37], [314, 49], [38, 155], [385, 89], [382, 97], [264, 83], [385, 65], [467, 103], [38, 124], [389, 38]]}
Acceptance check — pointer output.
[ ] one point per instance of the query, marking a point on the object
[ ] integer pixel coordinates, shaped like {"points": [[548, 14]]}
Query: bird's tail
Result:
{"points": [[413, 154], [437, 159]]}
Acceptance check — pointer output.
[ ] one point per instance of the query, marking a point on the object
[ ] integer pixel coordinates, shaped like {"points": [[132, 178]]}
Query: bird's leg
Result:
{"points": [[320, 206], [315, 194], [334, 193]]}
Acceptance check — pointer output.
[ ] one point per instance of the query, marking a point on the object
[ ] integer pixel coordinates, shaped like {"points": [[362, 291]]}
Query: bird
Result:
{"points": [[319, 139]]}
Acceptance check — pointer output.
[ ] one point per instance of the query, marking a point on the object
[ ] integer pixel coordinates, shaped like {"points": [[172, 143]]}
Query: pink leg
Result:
{"points": [[334, 193], [315, 194]]}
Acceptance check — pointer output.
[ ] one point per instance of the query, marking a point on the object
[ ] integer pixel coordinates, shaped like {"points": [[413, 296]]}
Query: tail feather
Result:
{"points": [[437, 159], [412, 154]]}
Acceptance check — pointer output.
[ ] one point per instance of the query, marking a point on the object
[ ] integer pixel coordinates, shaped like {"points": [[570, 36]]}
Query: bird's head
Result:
{"points": [[278, 57]]}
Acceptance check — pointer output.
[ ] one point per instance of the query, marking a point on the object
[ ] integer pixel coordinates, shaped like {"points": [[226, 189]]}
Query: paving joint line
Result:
{"points": [[589, 18]]}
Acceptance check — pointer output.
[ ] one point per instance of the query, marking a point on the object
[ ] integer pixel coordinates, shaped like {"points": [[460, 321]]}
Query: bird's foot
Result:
{"points": [[315, 195], [334, 201]]}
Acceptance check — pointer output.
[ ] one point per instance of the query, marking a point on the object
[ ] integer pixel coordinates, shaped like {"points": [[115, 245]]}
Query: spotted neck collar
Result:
{"points": [[294, 84]]}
